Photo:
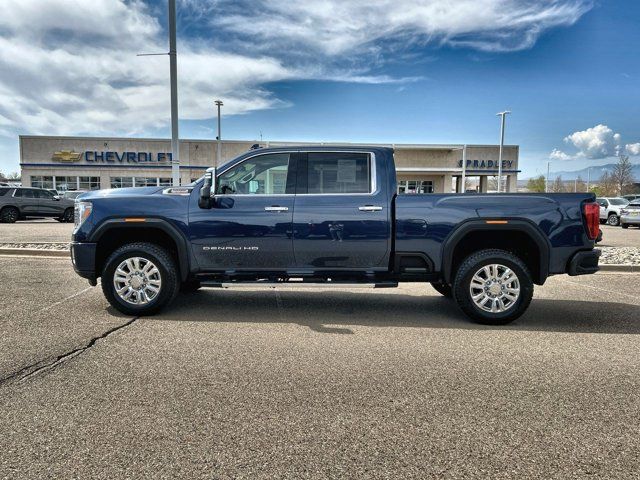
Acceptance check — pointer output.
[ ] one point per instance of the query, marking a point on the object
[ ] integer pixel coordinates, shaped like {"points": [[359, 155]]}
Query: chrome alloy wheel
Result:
{"points": [[495, 288], [137, 281]]}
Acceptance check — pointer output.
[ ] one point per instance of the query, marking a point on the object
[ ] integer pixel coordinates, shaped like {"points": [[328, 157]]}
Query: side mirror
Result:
{"points": [[56, 197], [208, 189]]}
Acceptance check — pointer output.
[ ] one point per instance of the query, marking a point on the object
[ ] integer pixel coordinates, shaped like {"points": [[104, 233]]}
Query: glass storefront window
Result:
{"points": [[39, 181], [415, 186], [121, 182], [146, 181], [89, 183], [66, 183]]}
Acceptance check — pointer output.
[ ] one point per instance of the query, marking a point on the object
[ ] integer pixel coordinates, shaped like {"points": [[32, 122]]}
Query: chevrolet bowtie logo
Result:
{"points": [[66, 156]]}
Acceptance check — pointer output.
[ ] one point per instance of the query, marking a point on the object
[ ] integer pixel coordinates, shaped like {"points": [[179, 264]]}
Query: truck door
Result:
{"points": [[249, 228], [341, 218]]}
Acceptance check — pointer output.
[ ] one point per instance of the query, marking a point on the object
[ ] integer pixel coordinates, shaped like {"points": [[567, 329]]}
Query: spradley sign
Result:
{"points": [[486, 164]]}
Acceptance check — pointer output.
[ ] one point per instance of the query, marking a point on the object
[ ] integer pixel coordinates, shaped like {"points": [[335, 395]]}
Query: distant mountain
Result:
{"points": [[596, 172]]}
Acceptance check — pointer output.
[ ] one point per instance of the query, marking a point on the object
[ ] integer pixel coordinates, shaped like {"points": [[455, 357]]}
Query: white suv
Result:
{"points": [[610, 209]]}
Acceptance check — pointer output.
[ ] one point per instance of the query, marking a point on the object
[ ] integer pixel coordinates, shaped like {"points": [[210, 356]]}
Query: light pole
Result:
{"points": [[464, 168], [546, 179], [588, 178], [173, 73], [502, 116], [219, 145]]}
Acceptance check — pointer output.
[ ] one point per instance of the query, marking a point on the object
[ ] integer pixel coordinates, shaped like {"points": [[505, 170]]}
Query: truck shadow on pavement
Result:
{"points": [[334, 312]]}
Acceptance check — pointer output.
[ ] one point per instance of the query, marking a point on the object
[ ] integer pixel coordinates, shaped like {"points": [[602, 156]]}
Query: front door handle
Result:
{"points": [[370, 208], [276, 208]]}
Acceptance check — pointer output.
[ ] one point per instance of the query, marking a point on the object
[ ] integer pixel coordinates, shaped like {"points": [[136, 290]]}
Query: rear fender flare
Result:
{"points": [[532, 230]]}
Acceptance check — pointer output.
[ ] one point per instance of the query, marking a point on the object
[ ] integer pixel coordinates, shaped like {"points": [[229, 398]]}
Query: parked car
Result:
{"points": [[630, 215], [631, 197], [610, 209], [20, 203], [330, 216], [73, 194]]}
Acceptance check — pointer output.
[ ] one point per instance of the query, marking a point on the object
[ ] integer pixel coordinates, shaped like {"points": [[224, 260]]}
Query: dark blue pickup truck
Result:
{"points": [[329, 216]]}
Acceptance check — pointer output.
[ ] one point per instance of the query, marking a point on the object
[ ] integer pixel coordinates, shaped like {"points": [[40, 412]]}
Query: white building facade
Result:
{"points": [[92, 163]]}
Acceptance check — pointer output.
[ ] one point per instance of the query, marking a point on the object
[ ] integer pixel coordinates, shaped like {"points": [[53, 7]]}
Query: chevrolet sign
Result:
{"points": [[66, 156]]}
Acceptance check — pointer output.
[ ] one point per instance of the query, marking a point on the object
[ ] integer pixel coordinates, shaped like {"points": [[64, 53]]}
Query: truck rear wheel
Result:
{"points": [[140, 279], [493, 287]]}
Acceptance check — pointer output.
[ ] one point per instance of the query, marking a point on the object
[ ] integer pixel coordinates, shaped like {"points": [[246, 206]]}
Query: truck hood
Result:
{"points": [[121, 192]]}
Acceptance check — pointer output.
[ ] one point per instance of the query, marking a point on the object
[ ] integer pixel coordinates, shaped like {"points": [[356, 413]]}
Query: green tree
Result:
{"points": [[536, 184]]}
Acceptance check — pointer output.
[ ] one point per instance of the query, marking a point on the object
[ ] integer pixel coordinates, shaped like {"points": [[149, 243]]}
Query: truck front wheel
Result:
{"points": [[493, 287], [140, 278]]}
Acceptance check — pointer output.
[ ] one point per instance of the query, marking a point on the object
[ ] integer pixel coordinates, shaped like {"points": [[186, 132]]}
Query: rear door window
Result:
{"points": [[24, 193], [4, 191], [335, 172]]}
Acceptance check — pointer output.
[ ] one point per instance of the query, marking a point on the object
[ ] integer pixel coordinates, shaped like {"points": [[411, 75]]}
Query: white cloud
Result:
{"points": [[560, 155], [633, 148], [596, 142], [70, 66], [341, 26]]}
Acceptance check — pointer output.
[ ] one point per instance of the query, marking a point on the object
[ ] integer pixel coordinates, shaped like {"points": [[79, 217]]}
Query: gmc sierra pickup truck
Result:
{"points": [[328, 216]]}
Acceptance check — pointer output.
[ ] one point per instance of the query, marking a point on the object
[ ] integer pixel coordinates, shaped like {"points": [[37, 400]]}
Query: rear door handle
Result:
{"points": [[276, 208], [370, 208]]}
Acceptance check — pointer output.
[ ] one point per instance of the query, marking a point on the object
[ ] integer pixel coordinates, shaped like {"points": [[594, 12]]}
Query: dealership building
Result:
{"points": [[92, 163]]}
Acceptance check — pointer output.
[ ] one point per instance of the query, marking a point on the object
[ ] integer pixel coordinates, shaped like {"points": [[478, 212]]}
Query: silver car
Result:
{"points": [[21, 202], [630, 215]]}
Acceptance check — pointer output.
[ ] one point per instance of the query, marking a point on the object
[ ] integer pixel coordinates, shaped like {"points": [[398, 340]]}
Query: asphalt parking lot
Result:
{"points": [[316, 384]]}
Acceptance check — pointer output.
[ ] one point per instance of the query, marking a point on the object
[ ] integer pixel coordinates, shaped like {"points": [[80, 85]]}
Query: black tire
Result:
{"points": [[624, 225], [613, 220], [443, 289], [9, 215], [190, 286], [466, 271], [67, 216], [168, 274]]}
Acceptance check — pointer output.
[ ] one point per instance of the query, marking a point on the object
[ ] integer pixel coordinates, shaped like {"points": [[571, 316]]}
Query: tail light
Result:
{"points": [[591, 212]]}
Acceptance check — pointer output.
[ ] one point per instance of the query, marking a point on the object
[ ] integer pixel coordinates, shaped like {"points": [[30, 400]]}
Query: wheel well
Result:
{"points": [[117, 237], [517, 242], [612, 213]]}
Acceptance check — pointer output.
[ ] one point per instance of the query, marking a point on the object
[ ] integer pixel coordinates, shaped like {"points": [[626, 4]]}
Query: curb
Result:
{"points": [[33, 252], [618, 267]]}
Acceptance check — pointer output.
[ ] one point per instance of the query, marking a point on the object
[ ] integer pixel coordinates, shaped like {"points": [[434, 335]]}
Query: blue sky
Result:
{"points": [[389, 71]]}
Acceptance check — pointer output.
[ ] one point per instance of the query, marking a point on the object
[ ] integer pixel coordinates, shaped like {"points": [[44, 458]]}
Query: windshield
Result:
{"points": [[618, 201]]}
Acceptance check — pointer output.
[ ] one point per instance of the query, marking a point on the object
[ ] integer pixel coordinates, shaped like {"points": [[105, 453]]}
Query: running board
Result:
{"points": [[295, 284]]}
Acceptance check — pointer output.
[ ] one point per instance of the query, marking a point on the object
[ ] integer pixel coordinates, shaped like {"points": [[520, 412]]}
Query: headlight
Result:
{"points": [[623, 211], [81, 213]]}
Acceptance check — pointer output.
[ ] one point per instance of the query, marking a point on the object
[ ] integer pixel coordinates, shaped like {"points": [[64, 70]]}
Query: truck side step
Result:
{"points": [[295, 283]]}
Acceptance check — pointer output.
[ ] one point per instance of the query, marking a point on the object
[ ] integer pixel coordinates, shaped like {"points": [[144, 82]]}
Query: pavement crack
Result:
{"points": [[50, 363]]}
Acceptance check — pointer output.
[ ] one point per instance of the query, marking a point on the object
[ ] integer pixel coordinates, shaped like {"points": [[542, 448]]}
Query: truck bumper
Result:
{"points": [[83, 257], [584, 263]]}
